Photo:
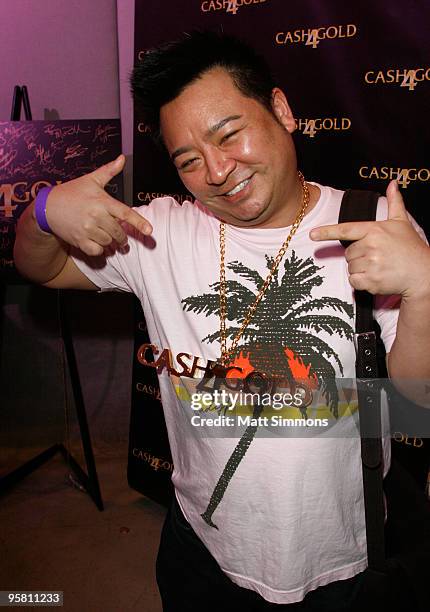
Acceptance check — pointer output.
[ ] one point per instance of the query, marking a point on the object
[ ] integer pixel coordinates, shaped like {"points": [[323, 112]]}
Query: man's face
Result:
{"points": [[235, 156]]}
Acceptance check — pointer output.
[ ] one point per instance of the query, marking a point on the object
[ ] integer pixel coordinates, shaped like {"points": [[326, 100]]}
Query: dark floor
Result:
{"points": [[54, 538]]}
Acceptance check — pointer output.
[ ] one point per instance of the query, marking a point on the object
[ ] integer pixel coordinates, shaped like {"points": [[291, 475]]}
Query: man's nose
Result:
{"points": [[219, 166]]}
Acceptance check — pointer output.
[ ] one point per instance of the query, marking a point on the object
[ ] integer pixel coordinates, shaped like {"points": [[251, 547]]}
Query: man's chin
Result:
{"points": [[244, 218], [249, 220], [254, 222]]}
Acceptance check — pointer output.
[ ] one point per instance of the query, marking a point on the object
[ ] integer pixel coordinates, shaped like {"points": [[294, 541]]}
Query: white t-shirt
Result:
{"points": [[292, 517]]}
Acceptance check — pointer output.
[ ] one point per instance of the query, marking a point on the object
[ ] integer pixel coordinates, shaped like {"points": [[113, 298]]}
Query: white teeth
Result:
{"points": [[238, 187]]}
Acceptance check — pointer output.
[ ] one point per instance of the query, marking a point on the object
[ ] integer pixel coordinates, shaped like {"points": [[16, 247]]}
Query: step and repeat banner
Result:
{"points": [[357, 77]]}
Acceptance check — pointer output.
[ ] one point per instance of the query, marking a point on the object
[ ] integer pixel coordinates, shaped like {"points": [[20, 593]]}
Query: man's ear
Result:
{"points": [[282, 110]]}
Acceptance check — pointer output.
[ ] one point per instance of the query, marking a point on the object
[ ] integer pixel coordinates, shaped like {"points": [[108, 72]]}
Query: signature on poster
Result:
{"points": [[40, 152], [104, 132], [67, 130], [24, 168], [98, 152], [6, 158], [15, 132], [75, 150]]}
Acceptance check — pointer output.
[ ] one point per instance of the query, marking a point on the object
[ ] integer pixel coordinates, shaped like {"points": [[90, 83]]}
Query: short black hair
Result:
{"points": [[166, 70]]}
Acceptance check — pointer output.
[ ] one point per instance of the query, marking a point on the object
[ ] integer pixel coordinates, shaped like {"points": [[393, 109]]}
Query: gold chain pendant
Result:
{"points": [[226, 354]]}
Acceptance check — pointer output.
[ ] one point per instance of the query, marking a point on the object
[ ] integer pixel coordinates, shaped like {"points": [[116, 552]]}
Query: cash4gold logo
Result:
{"points": [[311, 127], [406, 77], [229, 6], [404, 176], [143, 128], [151, 390], [13, 194], [311, 37], [157, 463], [405, 439], [146, 197]]}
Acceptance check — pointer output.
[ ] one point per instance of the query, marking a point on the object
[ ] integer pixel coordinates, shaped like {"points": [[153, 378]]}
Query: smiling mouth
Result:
{"points": [[238, 188]]}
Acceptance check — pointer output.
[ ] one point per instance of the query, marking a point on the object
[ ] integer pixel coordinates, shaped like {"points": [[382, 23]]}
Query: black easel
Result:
{"points": [[20, 99], [88, 481]]}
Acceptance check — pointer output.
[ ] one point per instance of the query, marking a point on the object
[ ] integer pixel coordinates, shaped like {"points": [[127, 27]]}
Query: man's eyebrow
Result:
{"points": [[221, 124], [212, 130], [179, 151]]}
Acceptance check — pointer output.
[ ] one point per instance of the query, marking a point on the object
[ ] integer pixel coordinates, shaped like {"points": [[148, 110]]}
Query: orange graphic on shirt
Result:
{"points": [[299, 370]]}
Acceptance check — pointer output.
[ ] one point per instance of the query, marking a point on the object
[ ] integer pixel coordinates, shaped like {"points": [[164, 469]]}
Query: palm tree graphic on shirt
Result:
{"points": [[282, 339]]}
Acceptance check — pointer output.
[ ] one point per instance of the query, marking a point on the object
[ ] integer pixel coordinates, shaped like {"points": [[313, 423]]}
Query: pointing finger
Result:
{"points": [[125, 213], [341, 231]]}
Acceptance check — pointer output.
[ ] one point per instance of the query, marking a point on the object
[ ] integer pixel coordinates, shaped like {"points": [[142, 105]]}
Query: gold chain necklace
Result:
{"points": [[226, 354]]}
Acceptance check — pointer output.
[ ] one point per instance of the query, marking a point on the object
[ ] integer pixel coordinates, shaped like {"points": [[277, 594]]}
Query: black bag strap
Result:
{"points": [[361, 206]]}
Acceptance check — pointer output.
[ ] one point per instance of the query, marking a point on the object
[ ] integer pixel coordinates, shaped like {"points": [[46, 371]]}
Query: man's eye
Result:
{"points": [[187, 163], [229, 135]]}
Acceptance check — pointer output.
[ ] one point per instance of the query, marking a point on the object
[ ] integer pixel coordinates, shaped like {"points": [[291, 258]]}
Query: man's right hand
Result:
{"points": [[80, 213], [84, 215]]}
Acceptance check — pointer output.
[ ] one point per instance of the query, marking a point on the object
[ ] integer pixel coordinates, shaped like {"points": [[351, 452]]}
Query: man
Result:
{"points": [[250, 276]]}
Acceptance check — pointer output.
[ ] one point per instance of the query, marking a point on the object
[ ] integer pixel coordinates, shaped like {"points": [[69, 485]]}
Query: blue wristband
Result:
{"points": [[40, 209]]}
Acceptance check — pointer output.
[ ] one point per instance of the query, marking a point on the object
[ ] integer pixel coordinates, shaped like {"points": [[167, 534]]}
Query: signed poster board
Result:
{"points": [[36, 154]]}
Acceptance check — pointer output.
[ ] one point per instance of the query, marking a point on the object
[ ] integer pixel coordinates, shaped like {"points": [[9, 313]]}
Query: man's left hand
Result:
{"points": [[386, 257]]}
